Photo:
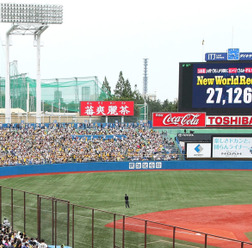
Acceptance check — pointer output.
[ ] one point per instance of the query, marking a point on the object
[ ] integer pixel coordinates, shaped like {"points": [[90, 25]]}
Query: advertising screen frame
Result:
{"points": [[178, 120], [234, 155], [198, 154], [185, 99]]}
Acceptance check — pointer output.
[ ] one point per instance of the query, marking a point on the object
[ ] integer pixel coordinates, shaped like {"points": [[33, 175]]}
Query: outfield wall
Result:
{"points": [[123, 166]]}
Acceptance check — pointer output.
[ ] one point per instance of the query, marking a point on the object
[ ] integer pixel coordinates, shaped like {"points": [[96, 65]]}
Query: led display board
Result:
{"points": [[216, 87]]}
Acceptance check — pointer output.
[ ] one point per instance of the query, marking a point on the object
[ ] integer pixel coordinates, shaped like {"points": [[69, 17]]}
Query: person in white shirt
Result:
{"points": [[6, 223], [42, 244]]}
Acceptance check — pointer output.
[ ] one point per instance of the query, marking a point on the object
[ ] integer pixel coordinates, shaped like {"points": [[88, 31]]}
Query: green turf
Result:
{"points": [[249, 235], [148, 191]]}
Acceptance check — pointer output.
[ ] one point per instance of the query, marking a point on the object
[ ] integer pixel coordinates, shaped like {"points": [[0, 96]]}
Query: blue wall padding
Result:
{"points": [[126, 166]]}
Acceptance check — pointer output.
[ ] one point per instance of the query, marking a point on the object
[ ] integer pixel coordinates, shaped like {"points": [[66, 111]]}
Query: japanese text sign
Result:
{"points": [[106, 108], [232, 147]]}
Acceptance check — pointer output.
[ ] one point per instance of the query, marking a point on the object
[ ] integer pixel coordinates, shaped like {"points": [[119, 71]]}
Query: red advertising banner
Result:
{"points": [[229, 121], [106, 108], [178, 119]]}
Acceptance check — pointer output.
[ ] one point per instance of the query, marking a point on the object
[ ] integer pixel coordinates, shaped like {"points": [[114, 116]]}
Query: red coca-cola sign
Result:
{"points": [[178, 119]]}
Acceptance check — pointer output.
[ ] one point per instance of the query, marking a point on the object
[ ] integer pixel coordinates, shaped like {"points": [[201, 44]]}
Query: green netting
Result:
{"points": [[57, 94]]}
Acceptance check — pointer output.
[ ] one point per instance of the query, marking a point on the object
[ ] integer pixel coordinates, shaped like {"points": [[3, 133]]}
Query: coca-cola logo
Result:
{"points": [[184, 120]]}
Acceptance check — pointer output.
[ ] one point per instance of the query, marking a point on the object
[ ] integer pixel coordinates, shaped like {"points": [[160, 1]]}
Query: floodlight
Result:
{"points": [[27, 19], [31, 13]]}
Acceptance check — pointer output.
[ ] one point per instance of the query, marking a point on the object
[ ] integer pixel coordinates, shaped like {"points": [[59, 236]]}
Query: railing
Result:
{"points": [[61, 222]]}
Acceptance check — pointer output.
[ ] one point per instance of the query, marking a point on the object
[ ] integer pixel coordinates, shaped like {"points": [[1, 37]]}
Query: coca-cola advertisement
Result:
{"points": [[178, 119]]}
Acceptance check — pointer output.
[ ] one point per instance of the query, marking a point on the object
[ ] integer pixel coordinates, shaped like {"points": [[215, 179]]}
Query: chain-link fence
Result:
{"points": [[60, 222]]}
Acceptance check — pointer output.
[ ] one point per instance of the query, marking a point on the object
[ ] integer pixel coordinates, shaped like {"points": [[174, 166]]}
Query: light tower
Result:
{"points": [[27, 19], [145, 87], [145, 78]]}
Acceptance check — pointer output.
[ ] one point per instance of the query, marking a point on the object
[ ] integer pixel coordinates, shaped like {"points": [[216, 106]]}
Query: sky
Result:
{"points": [[101, 38]]}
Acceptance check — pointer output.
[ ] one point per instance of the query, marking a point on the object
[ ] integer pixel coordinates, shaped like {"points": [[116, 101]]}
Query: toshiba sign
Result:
{"points": [[178, 119], [229, 121]]}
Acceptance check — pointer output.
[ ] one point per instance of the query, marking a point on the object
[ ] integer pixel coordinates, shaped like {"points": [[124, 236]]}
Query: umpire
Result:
{"points": [[126, 201]]}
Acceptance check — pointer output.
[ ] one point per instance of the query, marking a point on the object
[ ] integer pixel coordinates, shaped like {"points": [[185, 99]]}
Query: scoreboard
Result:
{"points": [[216, 87]]}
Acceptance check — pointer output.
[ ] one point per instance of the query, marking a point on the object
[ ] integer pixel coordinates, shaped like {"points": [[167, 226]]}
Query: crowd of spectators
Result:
{"points": [[25, 145], [15, 239]]}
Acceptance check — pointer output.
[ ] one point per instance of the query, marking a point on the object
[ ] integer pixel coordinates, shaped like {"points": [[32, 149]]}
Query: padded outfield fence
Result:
{"points": [[61, 222]]}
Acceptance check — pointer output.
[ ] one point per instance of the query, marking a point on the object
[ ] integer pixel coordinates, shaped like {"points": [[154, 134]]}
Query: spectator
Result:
{"points": [[42, 244], [6, 223], [58, 144]]}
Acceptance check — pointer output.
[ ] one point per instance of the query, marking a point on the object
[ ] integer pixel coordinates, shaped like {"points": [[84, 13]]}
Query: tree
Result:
{"points": [[170, 106], [153, 106], [127, 91], [119, 86], [105, 90], [138, 98], [123, 88], [123, 92], [175, 105], [157, 106], [72, 107]]}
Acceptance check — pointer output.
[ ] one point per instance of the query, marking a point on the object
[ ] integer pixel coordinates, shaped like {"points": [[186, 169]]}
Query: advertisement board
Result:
{"points": [[232, 147], [168, 119], [232, 54], [107, 108], [216, 87], [229, 121], [145, 165], [198, 150]]}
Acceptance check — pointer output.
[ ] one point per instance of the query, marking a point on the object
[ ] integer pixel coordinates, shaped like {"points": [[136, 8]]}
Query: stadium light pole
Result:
{"points": [[7, 82], [27, 19], [145, 88]]}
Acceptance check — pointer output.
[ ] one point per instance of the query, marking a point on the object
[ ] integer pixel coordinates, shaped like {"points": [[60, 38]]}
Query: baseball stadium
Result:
{"points": [[69, 156]]}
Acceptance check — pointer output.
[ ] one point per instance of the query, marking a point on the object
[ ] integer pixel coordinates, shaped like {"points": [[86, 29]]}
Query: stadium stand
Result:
{"points": [[15, 239], [58, 143]]}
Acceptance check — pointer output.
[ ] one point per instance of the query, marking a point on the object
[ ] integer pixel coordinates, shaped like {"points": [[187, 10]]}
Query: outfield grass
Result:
{"points": [[149, 191]]}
